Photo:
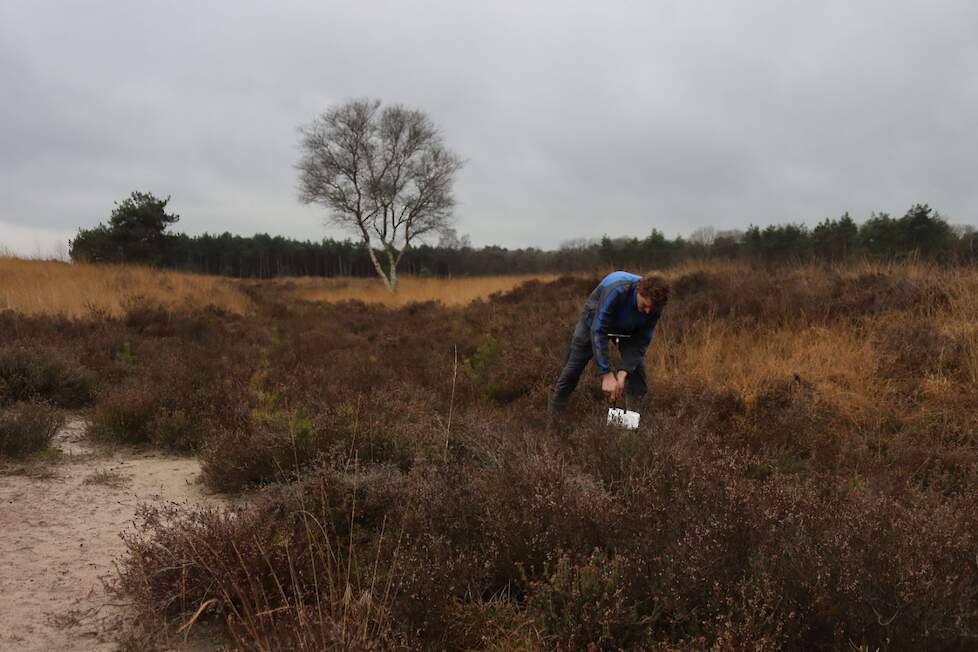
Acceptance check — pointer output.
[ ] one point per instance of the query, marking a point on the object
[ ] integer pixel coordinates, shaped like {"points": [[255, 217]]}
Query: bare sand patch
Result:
{"points": [[59, 538]]}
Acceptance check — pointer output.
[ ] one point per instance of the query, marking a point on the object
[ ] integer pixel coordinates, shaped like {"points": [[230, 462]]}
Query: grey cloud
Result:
{"points": [[577, 118]]}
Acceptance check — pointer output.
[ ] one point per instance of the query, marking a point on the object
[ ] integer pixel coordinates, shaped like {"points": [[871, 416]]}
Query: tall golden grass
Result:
{"points": [[44, 287], [838, 357], [411, 289]]}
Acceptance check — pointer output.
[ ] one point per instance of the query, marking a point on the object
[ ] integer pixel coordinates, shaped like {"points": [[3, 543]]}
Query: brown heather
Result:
{"points": [[27, 428], [806, 476]]}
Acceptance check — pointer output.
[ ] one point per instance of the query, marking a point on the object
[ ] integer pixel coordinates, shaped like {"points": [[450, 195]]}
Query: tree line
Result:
{"points": [[384, 174], [137, 233]]}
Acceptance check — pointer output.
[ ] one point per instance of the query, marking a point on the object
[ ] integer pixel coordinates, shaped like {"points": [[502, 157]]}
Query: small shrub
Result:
{"points": [[125, 355], [176, 429], [40, 374], [876, 293], [273, 442], [144, 316], [505, 508], [108, 478], [789, 421], [282, 573], [487, 350], [495, 625], [588, 603], [27, 428], [125, 414], [236, 458]]}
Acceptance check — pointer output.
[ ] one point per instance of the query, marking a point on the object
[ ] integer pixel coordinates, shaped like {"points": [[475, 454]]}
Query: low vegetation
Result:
{"points": [[107, 478], [806, 475], [44, 373], [27, 428]]}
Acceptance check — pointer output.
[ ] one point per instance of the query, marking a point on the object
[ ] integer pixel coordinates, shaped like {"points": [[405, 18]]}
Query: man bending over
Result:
{"points": [[622, 304]]}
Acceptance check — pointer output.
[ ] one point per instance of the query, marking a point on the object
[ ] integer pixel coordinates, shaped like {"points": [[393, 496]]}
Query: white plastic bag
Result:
{"points": [[623, 418]]}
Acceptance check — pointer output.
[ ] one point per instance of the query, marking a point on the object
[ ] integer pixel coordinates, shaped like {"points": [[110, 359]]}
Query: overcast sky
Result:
{"points": [[576, 118]]}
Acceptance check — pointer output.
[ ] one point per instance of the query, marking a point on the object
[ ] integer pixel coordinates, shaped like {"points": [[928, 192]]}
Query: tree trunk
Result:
{"points": [[377, 267], [392, 280]]}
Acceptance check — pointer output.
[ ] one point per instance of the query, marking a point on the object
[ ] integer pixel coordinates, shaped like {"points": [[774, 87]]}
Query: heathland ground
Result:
{"points": [[60, 537], [804, 477]]}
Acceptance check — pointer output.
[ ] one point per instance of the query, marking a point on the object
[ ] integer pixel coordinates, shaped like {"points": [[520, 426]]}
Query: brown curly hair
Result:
{"points": [[655, 287]]}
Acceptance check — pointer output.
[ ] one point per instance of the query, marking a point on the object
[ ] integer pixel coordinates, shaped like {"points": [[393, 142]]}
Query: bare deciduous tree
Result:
{"points": [[703, 236], [384, 173], [450, 239]]}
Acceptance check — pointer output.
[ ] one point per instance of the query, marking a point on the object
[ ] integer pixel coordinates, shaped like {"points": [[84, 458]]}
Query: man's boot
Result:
{"points": [[555, 412]]}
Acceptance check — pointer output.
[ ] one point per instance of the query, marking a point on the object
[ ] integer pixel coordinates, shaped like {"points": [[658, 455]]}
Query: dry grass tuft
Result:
{"points": [[46, 287], [111, 478], [27, 428]]}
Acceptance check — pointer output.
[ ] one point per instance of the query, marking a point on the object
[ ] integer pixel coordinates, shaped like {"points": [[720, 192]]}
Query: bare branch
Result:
{"points": [[384, 173]]}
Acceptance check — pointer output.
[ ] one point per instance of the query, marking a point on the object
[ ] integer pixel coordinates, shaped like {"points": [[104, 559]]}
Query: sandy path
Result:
{"points": [[58, 539]]}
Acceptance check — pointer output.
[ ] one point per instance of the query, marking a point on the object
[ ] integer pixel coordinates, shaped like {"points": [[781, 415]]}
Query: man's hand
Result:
{"points": [[613, 386]]}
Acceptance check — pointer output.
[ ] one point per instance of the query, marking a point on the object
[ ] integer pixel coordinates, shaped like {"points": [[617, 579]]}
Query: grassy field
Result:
{"points": [[38, 287], [806, 475], [411, 289], [41, 287]]}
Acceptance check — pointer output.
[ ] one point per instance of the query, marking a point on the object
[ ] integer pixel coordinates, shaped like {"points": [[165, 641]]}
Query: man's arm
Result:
{"points": [[601, 324]]}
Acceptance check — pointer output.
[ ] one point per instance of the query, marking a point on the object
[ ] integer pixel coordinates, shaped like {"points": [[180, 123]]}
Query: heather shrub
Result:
{"points": [[587, 603], [177, 429], [759, 297], [773, 294], [275, 441], [677, 416], [484, 527], [534, 504], [425, 531], [27, 428], [496, 625], [720, 295], [301, 568], [506, 369], [172, 395], [689, 546], [234, 459], [947, 467], [125, 414], [788, 420], [873, 293], [688, 532], [43, 374], [145, 317], [398, 457], [854, 568]]}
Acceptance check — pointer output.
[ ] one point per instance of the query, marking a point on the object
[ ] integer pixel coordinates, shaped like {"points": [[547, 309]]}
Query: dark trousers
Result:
{"points": [[579, 353]]}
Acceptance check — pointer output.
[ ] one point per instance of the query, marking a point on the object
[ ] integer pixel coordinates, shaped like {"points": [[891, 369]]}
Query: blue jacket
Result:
{"points": [[612, 308]]}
